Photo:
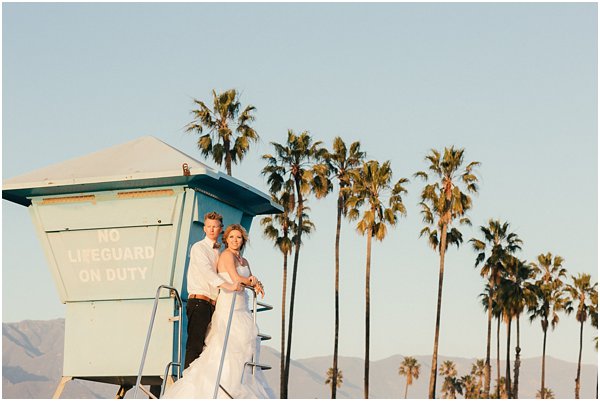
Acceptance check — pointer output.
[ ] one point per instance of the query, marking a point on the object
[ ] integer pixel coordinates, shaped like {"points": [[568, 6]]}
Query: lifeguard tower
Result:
{"points": [[115, 225]]}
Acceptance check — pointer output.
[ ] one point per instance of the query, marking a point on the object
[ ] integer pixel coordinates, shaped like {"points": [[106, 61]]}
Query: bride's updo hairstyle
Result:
{"points": [[235, 227]]}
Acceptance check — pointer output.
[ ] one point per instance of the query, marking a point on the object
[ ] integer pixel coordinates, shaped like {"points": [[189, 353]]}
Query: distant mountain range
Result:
{"points": [[32, 357]]}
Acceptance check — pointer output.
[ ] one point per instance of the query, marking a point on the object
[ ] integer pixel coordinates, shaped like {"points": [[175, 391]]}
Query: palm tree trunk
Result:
{"points": [[406, 388], [578, 378], [282, 356], [227, 157], [543, 390], [337, 295], [288, 353], [433, 377], [488, 367], [498, 359], [367, 312], [508, 384], [517, 360]]}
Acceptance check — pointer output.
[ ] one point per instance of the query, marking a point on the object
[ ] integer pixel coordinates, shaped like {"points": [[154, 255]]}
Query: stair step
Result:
{"points": [[259, 365], [263, 307]]}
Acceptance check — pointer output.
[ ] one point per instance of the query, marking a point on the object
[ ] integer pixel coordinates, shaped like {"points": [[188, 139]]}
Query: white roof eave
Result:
{"points": [[102, 179]]}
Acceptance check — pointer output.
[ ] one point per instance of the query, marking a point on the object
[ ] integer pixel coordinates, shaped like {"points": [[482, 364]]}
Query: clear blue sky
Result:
{"points": [[514, 84]]}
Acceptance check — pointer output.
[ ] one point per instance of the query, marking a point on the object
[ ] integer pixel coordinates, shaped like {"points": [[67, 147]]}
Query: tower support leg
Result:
{"points": [[61, 386], [122, 390]]}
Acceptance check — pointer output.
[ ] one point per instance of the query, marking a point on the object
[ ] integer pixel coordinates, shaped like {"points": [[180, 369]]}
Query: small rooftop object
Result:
{"points": [[114, 226]]}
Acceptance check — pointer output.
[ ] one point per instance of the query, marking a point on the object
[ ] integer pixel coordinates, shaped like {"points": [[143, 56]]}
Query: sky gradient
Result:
{"points": [[513, 84]]}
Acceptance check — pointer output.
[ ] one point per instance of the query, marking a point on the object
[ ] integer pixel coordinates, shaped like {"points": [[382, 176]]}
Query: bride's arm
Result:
{"points": [[227, 263]]}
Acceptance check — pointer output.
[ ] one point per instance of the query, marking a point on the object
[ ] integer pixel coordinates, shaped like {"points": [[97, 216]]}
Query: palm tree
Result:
{"points": [[470, 386], [512, 295], [229, 133], [486, 298], [500, 389], [370, 186], [581, 292], [281, 229], [546, 393], [520, 294], [507, 303], [548, 290], [451, 385], [594, 312], [411, 369], [478, 371], [498, 314], [341, 162], [498, 243], [293, 169], [594, 321], [442, 203], [330, 377]]}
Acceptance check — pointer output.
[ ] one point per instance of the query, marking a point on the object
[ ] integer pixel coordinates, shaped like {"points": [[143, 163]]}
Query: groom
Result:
{"points": [[203, 285]]}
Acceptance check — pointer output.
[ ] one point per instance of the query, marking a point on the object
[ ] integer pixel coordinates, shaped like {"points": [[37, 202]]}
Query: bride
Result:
{"points": [[199, 378]]}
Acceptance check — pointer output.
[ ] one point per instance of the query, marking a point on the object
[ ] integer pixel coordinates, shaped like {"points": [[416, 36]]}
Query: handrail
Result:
{"points": [[167, 368], [264, 307], [254, 310], [231, 309], [152, 316]]}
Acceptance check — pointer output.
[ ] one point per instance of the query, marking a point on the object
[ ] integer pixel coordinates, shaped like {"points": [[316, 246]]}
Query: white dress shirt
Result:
{"points": [[202, 277]]}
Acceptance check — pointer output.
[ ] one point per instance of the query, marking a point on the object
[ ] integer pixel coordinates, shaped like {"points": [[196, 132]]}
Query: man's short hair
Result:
{"points": [[214, 216]]}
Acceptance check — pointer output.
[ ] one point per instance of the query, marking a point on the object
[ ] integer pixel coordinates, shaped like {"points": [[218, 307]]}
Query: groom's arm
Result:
{"points": [[200, 262]]}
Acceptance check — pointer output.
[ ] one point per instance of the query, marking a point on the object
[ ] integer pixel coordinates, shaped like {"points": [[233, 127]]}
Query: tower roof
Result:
{"points": [[143, 162]]}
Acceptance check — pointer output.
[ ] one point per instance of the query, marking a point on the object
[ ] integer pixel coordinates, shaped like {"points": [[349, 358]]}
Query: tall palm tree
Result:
{"points": [[486, 298], [581, 294], [451, 385], [229, 131], [512, 295], [594, 321], [442, 203], [492, 253], [506, 301], [371, 185], [520, 294], [331, 374], [548, 290], [498, 314], [294, 168], [341, 162], [411, 369], [281, 229]]}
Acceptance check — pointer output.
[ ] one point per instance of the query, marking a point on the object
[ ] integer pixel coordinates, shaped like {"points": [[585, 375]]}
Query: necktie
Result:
{"points": [[216, 245]]}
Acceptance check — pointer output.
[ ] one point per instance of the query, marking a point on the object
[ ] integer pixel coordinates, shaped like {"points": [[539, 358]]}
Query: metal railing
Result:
{"points": [[179, 303], [257, 306], [253, 363]]}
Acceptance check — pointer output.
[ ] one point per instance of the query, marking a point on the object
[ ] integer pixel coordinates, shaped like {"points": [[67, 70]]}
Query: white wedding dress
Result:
{"points": [[199, 378]]}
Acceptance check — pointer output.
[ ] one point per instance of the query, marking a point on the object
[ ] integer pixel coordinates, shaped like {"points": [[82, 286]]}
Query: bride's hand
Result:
{"points": [[253, 280], [260, 290]]}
